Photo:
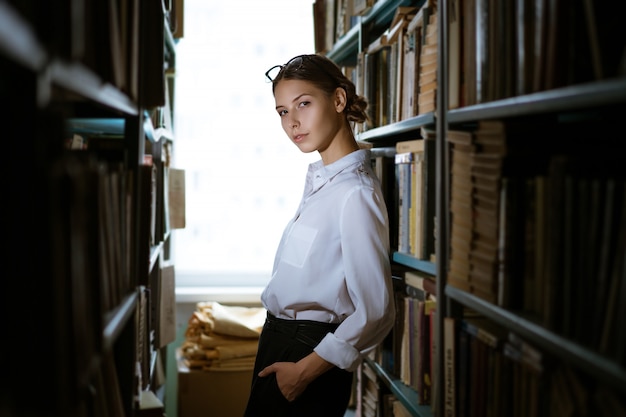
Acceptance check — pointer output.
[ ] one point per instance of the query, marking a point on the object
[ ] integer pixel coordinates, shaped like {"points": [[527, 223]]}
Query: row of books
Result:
{"points": [[541, 233], [107, 394], [91, 211], [95, 211], [414, 170], [333, 19], [368, 391], [161, 187], [491, 371], [415, 349], [408, 352], [373, 402], [503, 49], [106, 37], [397, 72]]}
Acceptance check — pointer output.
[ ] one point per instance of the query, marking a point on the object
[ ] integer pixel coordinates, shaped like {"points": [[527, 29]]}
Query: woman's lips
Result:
{"points": [[299, 138]]}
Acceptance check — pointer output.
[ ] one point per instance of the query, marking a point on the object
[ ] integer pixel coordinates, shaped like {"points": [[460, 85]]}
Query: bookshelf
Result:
{"points": [[349, 51], [524, 121], [89, 235], [539, 294]]}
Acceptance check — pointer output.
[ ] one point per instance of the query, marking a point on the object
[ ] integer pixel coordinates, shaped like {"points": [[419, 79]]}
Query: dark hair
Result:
{"points": [[326, 76]]}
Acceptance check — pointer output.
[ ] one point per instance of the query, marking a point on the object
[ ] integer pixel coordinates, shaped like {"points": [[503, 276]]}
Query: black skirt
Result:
{"points": [[289, 341]]}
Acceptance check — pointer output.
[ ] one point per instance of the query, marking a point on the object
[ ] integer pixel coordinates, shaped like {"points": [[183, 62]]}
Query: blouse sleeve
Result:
{"points": [[365, 252]]}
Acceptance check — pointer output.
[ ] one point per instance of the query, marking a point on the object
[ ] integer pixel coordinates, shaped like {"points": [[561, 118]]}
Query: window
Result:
{"points": [[244, 177]]}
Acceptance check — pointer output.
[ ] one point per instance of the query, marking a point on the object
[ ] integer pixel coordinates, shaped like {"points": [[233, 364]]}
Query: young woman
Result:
{"points": [[329, 300]]}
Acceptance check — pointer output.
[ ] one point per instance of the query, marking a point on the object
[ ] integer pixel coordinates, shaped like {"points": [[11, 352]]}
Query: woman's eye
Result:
{"points": [[303, 104], [282, 112]]}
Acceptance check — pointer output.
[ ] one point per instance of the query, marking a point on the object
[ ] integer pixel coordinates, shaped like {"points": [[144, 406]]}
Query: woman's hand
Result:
{"points": [[288, 378], [293, 378]]}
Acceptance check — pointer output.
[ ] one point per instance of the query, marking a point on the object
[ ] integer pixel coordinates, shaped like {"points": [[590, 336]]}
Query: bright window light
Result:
{"points": [[244, 178]]}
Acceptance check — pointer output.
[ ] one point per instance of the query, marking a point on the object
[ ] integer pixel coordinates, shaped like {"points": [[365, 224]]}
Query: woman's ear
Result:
{"points": [[341, 99]]}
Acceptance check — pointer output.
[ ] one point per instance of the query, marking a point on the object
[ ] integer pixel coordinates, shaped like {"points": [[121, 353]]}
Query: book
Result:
{"points": [[152, 83], [150, 405], [403, 164], [166, 306], [449, 366], [360, 7], [469, 33], [404, 354], [411, 168], [343, 18], [176, 198], [319, 28], [72, 183], [454, 54], [410, 63], [424, 371], [399, 410], [524, 29], [413, 145]]}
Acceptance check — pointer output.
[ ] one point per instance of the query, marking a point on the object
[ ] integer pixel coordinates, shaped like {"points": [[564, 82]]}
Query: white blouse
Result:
{"points": [[332, 264]]}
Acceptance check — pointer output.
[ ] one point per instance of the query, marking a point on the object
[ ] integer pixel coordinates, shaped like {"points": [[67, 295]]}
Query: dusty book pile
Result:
{"points": [[222, 337]]}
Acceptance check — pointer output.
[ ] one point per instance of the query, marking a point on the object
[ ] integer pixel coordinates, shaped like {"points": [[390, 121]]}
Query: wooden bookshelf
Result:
{"points": [[580, 102], [547, 105], [80, 126], [372, 25], [405, 394]]}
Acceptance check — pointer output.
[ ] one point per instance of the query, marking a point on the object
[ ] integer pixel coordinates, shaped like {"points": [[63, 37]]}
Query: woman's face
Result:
{"points": [[310, 117]]}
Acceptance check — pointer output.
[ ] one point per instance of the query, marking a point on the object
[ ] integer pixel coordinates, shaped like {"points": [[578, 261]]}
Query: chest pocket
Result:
{"points": [[298, 245]]}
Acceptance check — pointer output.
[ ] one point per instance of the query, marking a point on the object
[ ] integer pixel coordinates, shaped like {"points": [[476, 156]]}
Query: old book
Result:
{"points": [[361, 7], [524, 61], [410, 62], [461, 137], [424, 372], [540, 56], [176, 198], [319, 29], [612, 340], [449, 366], [454, 54], [166, 308], [152, 32], [403, 171], [412, 145], [469, 31], [429, 194], [150, 405], [330, 14]]}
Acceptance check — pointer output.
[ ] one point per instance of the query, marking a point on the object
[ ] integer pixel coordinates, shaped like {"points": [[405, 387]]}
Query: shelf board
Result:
{"points": [[346, 48], [155, 252], [18, 40], [408, 126], [412, 262], [97, 126], [407, 395], [116, 320], [383, 11], [156, 134], [571, 98], [593, 363], [80, 80], [170, 43]]}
